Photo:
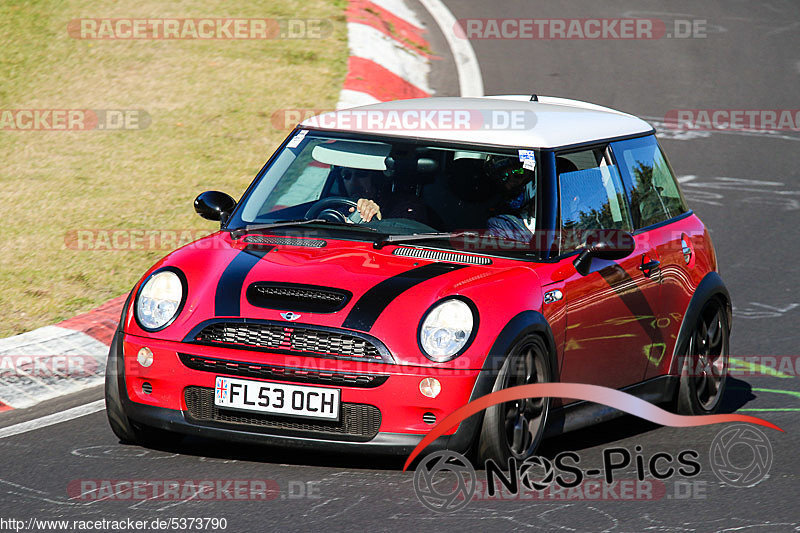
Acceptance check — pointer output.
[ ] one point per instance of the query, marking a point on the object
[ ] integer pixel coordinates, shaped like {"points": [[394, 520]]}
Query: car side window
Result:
{"points": [[591, 196], [650, 183]]}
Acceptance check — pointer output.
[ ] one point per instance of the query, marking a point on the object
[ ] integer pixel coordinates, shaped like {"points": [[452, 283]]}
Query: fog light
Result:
{"points": [[430, 387], [145, 356]]}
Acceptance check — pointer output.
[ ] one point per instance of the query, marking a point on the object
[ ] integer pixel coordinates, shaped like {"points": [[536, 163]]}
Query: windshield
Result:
{"points": [[394, 187]]}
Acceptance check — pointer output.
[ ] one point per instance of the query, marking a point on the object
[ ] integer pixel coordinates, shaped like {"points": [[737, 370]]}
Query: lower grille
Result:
{"points": [[359, 422]]}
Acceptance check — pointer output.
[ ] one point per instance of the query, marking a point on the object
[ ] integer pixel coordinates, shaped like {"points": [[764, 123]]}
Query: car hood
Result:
{"points": [[389, 293]]}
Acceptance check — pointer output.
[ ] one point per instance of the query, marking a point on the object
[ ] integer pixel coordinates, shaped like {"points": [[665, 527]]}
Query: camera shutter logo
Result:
{"points": [[526, 473], [741, 455], [441, 494]]}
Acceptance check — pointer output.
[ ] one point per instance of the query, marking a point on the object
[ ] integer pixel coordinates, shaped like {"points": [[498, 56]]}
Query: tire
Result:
{"points": [[117, 419], [704, 368], [515, 429]]}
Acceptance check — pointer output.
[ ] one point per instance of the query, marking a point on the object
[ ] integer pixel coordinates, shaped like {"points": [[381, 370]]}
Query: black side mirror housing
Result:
{"points": [[214, 205], [608, 244]]}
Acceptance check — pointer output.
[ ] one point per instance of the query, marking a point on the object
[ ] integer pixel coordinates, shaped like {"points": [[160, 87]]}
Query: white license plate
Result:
{"points": [[277, 398]]}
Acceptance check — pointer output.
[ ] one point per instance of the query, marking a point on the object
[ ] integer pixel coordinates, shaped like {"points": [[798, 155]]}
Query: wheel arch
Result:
{"points": [[521, 325], [710, 288]]}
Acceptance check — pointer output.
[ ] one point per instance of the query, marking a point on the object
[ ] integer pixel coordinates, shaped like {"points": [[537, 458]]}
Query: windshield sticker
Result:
{"points": [[528, 159], [297, 139]]}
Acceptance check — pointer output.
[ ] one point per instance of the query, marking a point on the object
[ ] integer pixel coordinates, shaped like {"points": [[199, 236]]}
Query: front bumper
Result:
{"points": [[383, 443], [401, 405]]}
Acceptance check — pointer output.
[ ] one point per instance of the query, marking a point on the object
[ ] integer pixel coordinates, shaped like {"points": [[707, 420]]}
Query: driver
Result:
{"points": [[373, 190], [516, 187]]}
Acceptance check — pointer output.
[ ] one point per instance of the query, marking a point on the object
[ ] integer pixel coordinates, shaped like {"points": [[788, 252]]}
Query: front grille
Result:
{"points": [[285, 241], [295, 297], [280, 338], [281, 373], [436, 255], [359, 422]]}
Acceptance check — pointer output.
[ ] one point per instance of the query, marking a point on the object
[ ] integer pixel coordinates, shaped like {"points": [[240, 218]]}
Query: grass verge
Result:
{"points": [[209, 103]]}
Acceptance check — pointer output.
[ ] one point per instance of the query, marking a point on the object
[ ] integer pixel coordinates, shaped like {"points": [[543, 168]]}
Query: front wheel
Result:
{"points": [[515, 429], [705, 363]]}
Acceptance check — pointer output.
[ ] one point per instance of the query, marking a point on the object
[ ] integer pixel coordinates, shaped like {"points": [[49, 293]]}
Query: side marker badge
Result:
{"points": [[553, 296]]}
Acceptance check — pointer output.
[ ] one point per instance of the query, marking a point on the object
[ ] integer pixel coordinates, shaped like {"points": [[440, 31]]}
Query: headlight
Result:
{"points": [[446, 329], [159, 300]]}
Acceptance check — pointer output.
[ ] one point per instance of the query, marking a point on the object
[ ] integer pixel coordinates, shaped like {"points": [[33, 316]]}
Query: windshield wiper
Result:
{"points": [[411, 237], [298, 222]]}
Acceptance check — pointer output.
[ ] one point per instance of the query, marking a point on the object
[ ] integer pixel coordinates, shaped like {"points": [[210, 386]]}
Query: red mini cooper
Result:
{"points": [[391, 263]]}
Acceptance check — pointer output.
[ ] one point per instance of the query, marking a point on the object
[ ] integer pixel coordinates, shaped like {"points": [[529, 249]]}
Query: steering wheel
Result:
{"points": [[334, 208]]}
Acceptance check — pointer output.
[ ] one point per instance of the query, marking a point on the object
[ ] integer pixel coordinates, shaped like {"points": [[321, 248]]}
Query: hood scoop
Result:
{"points": [[260, 240], [297, 297], [436, 255]]}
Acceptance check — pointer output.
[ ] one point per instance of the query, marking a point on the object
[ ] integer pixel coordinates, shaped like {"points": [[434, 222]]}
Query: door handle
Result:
{"points": [[647, 268]]}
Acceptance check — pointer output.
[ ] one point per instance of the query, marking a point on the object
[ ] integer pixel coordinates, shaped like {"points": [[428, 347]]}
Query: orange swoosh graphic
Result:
{"points": [[579, 391]]}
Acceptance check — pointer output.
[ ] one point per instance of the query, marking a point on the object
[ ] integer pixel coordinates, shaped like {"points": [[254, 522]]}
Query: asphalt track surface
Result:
{"points": [[745, 187]]}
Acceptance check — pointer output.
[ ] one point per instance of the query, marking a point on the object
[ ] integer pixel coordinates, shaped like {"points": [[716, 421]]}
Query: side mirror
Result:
{"points": [[214, 205], [608, 244]]}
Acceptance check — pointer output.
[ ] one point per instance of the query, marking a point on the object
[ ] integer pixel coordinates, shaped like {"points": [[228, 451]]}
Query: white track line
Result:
{"points": [[55, 418], [470, 80]]}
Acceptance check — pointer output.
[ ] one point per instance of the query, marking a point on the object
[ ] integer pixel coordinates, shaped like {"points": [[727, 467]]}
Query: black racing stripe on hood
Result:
{"points": [[227, 301], [369, 307]]}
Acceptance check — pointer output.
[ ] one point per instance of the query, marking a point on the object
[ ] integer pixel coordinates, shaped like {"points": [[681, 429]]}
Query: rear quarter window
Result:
{"points": [[649, 181]]}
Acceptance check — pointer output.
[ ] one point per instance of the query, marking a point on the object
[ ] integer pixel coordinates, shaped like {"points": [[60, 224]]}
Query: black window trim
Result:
{"points": [[604, 147], [607, 143], [663, 222], [607, 140], [685, 214]]}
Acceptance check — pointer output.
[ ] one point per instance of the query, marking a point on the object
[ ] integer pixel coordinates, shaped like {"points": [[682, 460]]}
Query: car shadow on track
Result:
{"points": [[737, 394], [217, 449]]}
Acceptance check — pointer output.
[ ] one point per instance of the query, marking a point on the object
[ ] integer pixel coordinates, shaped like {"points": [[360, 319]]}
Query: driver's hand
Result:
{"points": [[367, 209]]}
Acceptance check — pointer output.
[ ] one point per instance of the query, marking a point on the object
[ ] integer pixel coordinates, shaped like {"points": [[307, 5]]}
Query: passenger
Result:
{"points": [[517, 189]]}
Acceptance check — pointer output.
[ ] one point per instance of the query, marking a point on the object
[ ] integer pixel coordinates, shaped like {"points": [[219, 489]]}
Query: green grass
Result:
{"points": [[210, 104]]}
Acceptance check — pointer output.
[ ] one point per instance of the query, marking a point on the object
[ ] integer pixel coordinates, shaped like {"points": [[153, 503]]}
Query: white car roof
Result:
{"points": [[549, 122]]}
